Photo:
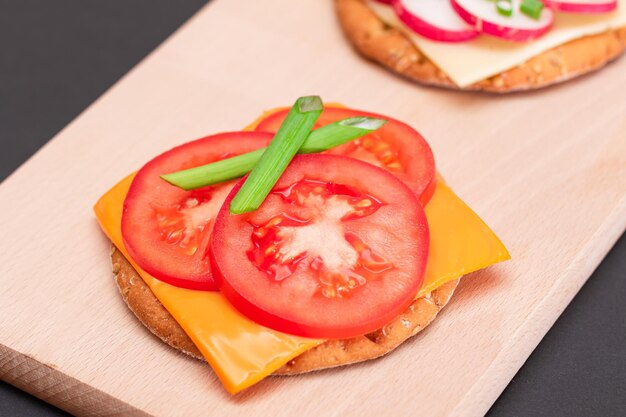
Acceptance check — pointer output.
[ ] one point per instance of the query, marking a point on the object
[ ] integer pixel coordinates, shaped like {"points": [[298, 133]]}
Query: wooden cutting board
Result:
{"points": [[546, 170]]}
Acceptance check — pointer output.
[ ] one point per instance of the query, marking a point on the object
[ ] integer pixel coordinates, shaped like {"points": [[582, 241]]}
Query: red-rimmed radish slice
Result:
{"points": [[434, 19], [384, 1], [582, 6], [484, 16]]}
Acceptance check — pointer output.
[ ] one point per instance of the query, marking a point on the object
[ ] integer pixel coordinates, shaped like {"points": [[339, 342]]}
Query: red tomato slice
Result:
{"points": [[396, 147], [338, 249], [166, 230]]}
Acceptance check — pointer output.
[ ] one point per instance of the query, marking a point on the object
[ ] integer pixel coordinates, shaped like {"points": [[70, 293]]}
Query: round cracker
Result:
{"points": [[148, 309], [389, 47], [158, 320]]}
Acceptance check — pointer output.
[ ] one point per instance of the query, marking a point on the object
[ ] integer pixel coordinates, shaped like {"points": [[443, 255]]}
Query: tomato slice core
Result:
{"points": [[396, 147], [337, 249], [167, 230], [280, 244]]}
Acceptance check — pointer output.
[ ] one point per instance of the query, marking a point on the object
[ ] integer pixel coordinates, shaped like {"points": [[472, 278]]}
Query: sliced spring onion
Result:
{"points": [[281, 150], [505, 7], [532, 8], [319, 140], [338, 133], [215, 172]]}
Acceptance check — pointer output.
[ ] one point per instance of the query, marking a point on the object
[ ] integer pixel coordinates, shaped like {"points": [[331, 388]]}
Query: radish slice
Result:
{"points": [[485, 18], [583, 6], [384, 1], [434, 19]]}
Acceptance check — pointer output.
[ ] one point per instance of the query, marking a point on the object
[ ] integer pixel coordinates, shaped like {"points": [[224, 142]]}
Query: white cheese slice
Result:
{"points": [[468, 62]]}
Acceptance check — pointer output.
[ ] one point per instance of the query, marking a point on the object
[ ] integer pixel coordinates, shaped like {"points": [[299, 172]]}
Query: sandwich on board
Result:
{"points": [[341, 242]]}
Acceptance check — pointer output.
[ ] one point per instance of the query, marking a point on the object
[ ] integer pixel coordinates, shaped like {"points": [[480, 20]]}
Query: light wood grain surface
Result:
{"points": [[546, 170]]}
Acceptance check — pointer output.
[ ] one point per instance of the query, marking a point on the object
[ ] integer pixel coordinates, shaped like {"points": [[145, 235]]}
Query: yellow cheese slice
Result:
{"points": [[468, 62], [460, 242], [242, 352]]}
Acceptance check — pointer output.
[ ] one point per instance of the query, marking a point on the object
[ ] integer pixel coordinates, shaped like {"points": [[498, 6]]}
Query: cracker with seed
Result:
{"points": [[332, 353], [388, 46]]}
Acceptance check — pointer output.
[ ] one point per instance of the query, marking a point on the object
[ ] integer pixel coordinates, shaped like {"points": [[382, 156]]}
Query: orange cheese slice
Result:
{"points": [[242, 352], [460, 242]]}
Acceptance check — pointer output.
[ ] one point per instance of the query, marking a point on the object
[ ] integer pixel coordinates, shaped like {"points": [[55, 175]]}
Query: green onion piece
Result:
{"points": [[505, 7], [215, 172], [281, 150], [338, 133], [532, 8], [319, 140]]}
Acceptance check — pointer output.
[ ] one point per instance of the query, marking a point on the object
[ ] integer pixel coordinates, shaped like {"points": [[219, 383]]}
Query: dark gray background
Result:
{"points": [[56, 57]]}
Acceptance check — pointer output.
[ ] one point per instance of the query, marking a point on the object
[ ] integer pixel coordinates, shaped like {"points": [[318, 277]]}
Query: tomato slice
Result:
{"points": [[396, 147], [166, 230], [338, 249]]}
